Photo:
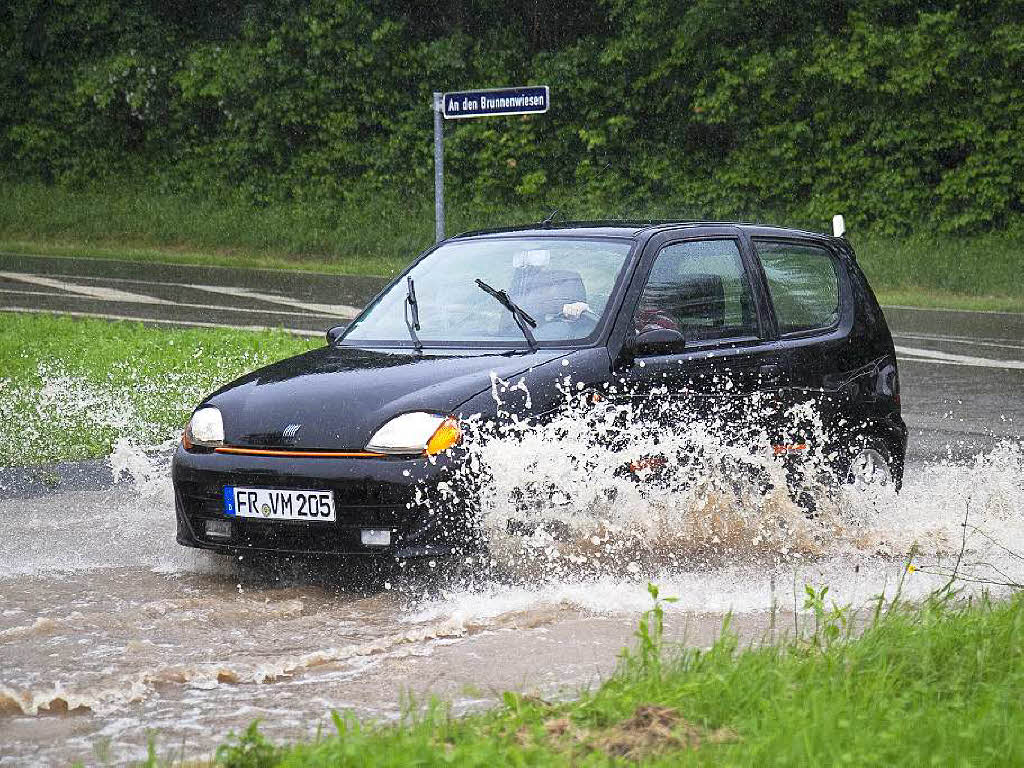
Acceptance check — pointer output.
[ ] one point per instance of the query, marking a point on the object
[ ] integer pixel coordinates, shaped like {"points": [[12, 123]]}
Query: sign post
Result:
{"points": [[438, 168], [459, 105]]}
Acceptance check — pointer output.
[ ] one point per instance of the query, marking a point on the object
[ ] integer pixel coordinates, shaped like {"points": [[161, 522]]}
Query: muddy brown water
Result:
{"points": [[111, 634]]}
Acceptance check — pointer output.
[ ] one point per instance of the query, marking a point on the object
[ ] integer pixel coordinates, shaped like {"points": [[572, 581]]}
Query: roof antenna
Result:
{"points": [[551, 217]]}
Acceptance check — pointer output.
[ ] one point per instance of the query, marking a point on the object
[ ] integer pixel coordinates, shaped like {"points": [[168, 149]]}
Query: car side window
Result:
{"points": [[701, 289], [804, 284]]}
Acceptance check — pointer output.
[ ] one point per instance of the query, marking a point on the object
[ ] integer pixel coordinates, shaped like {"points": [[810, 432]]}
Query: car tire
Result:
{"points": [[867, 463], [863, 463]]}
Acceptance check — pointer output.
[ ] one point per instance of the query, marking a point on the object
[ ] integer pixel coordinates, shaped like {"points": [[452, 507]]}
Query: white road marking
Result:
{"points": [[204, 307], [337, 310], [945, 358], [94, 291], [221, 267], [197, 323], [343, 311], [948, 309], [15, 292], [957, 340]]}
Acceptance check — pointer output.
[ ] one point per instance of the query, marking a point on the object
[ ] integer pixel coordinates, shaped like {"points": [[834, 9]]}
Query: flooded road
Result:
{"points": [[110, 632]]}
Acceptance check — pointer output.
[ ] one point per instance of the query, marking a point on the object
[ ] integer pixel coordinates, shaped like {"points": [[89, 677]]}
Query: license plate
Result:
{"points": [[279, 504]]}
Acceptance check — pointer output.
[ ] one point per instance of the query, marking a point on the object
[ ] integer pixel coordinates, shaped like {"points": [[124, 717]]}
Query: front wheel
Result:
{"points": [[869, 467]]}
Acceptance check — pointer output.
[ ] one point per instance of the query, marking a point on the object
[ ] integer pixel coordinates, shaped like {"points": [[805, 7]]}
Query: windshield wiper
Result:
{"points": [[411, 307], [523, 320]]}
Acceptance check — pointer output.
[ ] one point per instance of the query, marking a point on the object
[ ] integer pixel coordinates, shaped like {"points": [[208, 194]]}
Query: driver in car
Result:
{"points": [[548, 294], [559, 295]]}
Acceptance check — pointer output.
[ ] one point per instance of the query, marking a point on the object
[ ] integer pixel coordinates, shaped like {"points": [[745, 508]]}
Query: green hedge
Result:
{"points": [[904, 115]]}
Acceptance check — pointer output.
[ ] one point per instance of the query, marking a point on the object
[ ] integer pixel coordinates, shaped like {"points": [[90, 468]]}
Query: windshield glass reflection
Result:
{"points": [[563, 284]]}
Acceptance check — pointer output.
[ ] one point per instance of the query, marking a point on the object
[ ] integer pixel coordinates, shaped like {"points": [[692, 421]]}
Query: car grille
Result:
{"points": [[357, 506]]}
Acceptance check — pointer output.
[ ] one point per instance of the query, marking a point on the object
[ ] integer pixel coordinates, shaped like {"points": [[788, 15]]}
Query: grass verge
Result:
{"points": [[227, 257], [938, 684], [977, 273], [71, 388], [372, 234], [932, 300]]}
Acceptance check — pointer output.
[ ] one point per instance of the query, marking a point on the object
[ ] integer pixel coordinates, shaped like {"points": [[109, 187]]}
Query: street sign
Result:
{"points": [[494, 102]]}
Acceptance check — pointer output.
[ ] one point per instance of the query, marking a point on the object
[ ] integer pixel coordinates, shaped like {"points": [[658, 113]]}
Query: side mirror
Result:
{"points": [[658, 341], [333, 334]]}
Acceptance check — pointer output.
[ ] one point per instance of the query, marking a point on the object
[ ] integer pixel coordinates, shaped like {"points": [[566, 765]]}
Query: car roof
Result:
{"points": [[632, 229]]}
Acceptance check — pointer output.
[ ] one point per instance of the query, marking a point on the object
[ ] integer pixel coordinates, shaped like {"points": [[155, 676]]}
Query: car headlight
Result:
{"points": [[416, 433], [205, 428]]}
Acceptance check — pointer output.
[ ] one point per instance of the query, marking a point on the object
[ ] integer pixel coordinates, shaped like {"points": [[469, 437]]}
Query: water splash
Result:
{"points": [[62, 413], [620, 492], [611, 487], [106, 617]]}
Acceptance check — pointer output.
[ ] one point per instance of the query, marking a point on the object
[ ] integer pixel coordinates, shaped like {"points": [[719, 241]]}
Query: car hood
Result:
{"points": [[339, 396]]}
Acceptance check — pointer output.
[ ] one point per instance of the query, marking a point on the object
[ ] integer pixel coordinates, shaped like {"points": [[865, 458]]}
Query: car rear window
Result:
{"points": [[804, 285]]}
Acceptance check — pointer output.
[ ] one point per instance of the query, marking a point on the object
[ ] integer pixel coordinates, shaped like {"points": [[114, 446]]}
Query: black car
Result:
{"points": [[328, 451]]}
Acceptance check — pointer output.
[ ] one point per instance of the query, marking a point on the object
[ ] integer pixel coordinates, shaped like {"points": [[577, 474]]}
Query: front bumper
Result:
{"points": [[397, 494]]}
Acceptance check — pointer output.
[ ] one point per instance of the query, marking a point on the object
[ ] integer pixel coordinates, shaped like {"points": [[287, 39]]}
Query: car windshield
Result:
{"points": [[562, 284]]}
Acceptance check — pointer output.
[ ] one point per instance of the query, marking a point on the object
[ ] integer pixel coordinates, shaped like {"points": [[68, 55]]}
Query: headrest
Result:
{"points": [[546, 291]]}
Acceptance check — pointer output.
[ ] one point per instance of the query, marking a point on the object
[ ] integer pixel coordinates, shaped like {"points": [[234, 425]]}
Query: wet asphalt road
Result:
{"points": [[962, 376], [962, 372], [305, 302]]}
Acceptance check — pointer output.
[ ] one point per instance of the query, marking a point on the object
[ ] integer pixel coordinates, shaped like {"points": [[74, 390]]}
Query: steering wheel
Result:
{"points": [[570, 322]]}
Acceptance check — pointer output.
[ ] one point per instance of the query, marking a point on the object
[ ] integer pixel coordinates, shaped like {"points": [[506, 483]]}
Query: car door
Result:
{"points": [[814, 316], [726, 368]]}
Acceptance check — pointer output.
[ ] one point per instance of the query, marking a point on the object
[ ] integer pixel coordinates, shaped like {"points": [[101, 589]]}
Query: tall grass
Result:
{"points": [[368, 236], [378, 234], [133, 222], [926, 268], [939, 684]]}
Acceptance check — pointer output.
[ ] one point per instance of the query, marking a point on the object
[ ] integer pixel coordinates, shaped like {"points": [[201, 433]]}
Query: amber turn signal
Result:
{"points": [[446, 435]]}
